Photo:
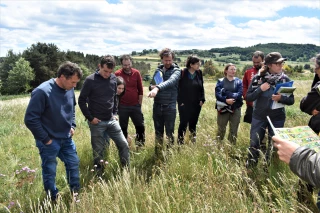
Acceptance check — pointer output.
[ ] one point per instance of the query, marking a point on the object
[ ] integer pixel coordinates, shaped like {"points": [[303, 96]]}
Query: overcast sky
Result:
{"points": [[118, 27]]}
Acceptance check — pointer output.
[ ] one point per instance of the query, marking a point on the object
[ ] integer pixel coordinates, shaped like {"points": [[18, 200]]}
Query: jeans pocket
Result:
{"points": [[40, 144], [50, 149]]}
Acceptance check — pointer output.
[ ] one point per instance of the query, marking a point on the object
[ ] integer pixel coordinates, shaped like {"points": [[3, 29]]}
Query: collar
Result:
{"points": [[127, 73]]}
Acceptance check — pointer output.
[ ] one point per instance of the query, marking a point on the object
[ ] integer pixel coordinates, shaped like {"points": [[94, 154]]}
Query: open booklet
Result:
{"points": [[302, 135], [284, 89]]}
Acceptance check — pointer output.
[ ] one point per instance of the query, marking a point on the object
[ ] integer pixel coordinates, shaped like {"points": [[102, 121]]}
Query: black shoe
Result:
{"points": [[251, 163], [99, 171]]}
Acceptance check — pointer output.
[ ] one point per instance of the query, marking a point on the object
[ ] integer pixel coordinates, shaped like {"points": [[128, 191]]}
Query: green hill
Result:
{"points": [[293, 52]]}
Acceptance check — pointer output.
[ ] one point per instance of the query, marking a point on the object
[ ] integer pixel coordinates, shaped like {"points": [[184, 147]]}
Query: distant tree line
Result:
{"points": [[294, 52], [22, 72], [40, 62], [144, 52]]}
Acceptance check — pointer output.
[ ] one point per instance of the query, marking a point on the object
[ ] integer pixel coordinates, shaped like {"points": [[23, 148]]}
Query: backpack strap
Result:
{"points": [[182, 73]]}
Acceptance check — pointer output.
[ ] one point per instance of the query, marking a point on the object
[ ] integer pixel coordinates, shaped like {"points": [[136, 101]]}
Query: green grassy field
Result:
{"points": [[204, 177]]}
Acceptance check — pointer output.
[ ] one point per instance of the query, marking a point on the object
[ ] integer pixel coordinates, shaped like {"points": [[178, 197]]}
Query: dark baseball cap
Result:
{"points": [[274, 57]]}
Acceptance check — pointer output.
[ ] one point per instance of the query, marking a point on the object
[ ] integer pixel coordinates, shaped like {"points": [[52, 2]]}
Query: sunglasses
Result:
{"points": [[279, 63]]}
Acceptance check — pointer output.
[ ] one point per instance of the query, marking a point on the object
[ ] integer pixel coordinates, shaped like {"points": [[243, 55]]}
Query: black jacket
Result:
{"points": [[262, 100], [311, 102], [100, 95], [191, 91]]}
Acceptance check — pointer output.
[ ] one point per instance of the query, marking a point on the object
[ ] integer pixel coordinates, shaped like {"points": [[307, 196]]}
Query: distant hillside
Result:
{"points": [[294, 52]]}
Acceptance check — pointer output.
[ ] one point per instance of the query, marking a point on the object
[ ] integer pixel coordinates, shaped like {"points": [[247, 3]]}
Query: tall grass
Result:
{"points": [[208, 176]]}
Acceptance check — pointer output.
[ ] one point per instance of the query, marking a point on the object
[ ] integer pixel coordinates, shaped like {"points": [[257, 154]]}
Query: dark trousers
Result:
{"points": [[135, 113], [257, 133], [164, 116], [318, 201], [189, 114], [248, 114]]}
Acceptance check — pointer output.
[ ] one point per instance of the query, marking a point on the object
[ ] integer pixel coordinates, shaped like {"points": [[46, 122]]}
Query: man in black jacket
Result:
{"points": [[165, 91], [311, 103], [98, 103]]}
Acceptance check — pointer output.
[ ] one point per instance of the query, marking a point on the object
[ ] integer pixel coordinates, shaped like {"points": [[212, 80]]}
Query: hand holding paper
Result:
{"points": [[276, 97]]}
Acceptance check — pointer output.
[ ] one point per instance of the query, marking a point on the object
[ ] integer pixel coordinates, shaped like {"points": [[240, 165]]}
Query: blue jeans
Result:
{"points": [[65, 149], [257, 133], [164, 116], [100, 134]]}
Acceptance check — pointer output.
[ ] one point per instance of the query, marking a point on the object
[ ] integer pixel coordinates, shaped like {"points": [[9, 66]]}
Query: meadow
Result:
{"points": [[208, 176]]}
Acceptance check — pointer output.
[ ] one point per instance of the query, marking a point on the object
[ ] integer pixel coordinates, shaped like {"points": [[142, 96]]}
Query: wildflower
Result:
{"points": [[25, 168], [101, 161], [2, 175], [92, 170], [11, 204], [106, 162], [95, 166]]}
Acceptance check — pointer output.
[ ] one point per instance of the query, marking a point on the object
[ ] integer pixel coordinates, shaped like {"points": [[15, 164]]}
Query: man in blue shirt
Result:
{"points": [[50, 116]]}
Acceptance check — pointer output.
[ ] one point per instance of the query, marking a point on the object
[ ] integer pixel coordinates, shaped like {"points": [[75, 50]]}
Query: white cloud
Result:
{"points": [[97, 27]]}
